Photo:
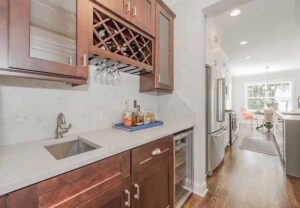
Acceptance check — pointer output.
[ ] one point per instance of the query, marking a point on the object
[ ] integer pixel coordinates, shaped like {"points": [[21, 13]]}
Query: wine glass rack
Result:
{"points": [[113, 39]]}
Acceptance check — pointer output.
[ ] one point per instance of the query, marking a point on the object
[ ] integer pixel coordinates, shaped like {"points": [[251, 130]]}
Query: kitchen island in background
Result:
{"points": [[286, 134]]}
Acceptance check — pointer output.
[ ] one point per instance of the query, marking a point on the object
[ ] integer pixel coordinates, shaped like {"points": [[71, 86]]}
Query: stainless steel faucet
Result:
{"points": [[299, 102], [62, 126]]}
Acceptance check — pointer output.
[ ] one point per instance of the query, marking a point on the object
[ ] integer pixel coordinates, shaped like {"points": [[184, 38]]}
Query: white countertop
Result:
{"points": [[291, 116], [24, 164]]}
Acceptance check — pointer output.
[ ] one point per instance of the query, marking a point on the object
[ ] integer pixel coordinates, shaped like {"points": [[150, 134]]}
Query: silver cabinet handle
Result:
{"points": [[158, 77], [84, 60], [157, 151], [148, 159], [134, 11], [127, 203], [137, 195], [128, 6]]}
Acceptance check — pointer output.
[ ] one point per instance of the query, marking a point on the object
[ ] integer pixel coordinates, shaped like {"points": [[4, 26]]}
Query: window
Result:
{"points": [[275, 94]]}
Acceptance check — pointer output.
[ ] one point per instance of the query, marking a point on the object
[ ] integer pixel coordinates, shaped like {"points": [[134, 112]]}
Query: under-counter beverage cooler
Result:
{"points": [[183, 167]]}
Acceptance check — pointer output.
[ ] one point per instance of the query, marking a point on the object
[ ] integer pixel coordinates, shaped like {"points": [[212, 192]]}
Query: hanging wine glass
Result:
{"points": [[97, 71], [117, 76]]}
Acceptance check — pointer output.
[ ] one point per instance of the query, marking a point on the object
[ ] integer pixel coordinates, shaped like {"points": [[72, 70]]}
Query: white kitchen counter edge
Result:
{"points": [[28, 163], [288, 117]]}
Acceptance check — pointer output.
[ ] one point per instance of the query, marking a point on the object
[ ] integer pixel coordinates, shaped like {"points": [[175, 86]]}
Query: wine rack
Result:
{"points": [[113, 38]]}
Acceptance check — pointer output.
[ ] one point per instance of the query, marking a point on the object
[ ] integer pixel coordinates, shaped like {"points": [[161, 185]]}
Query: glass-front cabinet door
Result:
{"points": [[53, 30], [164, 49], [48, 36]]}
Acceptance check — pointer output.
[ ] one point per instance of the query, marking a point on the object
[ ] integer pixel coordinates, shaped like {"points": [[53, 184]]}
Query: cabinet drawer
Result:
{"points": [[151, 152], [114, 197], [76, 187]]}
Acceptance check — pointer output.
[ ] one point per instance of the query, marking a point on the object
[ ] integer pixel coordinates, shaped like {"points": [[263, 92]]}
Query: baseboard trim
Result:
{"points": [[200, 189]]}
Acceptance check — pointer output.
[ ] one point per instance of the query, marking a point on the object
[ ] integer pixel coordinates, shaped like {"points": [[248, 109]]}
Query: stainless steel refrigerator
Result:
{"points": [[215, 113]]}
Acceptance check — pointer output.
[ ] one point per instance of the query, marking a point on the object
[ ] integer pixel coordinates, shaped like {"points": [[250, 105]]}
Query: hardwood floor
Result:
{"points": [[248, 180]]}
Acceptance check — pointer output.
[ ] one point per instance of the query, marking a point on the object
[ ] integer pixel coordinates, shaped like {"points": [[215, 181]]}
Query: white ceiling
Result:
{"points": [[272, 28]]}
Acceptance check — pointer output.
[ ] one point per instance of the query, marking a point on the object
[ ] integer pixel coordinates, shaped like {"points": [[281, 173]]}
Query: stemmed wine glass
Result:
{"points": [[105, 74]]}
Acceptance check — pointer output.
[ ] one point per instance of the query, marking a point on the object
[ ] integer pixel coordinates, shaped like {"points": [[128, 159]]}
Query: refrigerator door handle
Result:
{"points": [[220, 100]]}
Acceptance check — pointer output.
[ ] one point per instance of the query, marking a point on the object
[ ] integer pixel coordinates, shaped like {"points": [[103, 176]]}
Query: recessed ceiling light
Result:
{"points": [[244, 42], [248, 57], [235, 12]]}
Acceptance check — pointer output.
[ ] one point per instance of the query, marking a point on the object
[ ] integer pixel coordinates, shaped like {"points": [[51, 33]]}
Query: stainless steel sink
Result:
{"points": [[68, 149]]}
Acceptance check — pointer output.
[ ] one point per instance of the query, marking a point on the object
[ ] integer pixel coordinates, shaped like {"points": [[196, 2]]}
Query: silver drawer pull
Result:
{"points": [[157, 151], [137, 195], [148, 159], [127, 203]]}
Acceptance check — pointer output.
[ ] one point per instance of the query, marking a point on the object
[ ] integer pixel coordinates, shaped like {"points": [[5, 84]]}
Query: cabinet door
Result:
{"points": [[164, 49], [49, 36], [116, 197], [4, 33], [153, 185], [3, 202], [143, 14], [120, 7]]}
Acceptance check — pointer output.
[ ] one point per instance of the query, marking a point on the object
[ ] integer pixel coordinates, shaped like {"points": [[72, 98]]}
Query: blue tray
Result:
{"points": [[137, 128]]}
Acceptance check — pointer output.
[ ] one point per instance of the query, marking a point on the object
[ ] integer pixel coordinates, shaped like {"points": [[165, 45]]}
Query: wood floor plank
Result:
{"points": [[246, 179]]}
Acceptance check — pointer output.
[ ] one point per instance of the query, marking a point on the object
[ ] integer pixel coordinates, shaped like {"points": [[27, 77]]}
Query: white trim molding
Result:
{"points": [[200, 189]]}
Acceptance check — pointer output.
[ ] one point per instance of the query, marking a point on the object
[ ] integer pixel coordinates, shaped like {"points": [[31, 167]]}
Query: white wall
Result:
{"points": [[28, 108], [190, 74], [238, 92]]}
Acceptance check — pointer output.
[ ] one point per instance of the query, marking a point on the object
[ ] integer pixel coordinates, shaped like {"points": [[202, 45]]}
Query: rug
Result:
{"points": [[260, 146]]}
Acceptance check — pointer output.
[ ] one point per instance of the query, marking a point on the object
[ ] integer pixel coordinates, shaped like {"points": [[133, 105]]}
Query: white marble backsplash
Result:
{"points": [[28, 108], [173, 108]]}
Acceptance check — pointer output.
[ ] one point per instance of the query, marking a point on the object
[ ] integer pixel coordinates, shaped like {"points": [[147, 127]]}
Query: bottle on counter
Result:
{"points": [[134, 113], [148, 117], [127, 115], [152, 115], [140, 116]]}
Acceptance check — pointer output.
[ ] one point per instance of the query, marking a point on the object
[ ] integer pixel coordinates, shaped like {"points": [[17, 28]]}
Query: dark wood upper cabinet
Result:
{"points": [[49, 37], [140, 13], [143, 15], [164, 48], [120, 7], [56, 40], [4, 33], [152, 175], [162, 81]]}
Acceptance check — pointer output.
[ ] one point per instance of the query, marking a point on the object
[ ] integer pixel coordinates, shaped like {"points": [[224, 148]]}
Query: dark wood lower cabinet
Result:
{"points": [[116, 197], [153, 185], [152, 174], [138, 178], [3, 200], [76, 187]]}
